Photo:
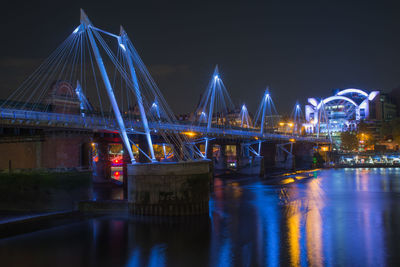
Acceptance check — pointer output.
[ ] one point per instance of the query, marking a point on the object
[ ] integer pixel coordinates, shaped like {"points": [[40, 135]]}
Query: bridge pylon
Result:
{"points": [[126, 46], [110, 92], [266, 108], [214, 108], [297, 118]]}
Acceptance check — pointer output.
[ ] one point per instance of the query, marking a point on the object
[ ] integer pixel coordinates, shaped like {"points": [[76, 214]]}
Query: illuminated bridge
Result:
{"points": [[95, 81]]}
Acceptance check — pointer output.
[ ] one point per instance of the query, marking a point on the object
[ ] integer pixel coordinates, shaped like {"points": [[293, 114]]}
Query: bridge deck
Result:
{"points": [[99, 123]]}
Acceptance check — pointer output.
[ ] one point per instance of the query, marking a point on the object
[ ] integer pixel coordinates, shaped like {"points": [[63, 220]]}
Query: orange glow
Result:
{"points": [[314, 224], [290, 124], [237, 191], [325, 148], [293, 223], [292, 140], [287, 181], [189, 134], [363, 136], [281, 123]]}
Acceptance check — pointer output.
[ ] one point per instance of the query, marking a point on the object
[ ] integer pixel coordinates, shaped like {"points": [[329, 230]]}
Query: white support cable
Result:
{"points": [[69, 65], [35, 75], [50, 78], [144, 153], [95, 81], [251, 149], [105, 32], [43, 79]]}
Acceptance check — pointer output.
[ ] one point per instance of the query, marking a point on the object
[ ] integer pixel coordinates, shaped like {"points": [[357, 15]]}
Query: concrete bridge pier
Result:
{"points": [[220, 162], [252, 165], [284, 157], [101, 163], [126, 160], [303, 152], [248, 163], [217, 151], [142, 142], [268, 151], [279, 156], [232, 155], [209, 152], [169, 189]]}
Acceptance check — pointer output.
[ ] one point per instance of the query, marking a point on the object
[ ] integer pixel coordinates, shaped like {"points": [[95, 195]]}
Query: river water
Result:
{"points": [[345, 217]]}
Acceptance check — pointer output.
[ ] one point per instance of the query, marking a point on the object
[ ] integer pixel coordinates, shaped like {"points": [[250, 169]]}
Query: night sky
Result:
{"points": [[299, 49]]}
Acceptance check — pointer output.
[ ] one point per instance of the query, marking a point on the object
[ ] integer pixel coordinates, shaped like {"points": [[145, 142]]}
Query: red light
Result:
{"points": [[116, 174], [116, 161], [96, 159]]}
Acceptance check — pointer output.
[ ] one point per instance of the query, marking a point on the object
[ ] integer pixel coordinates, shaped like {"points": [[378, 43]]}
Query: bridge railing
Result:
{"points": [[50, 117], [91, 122]]}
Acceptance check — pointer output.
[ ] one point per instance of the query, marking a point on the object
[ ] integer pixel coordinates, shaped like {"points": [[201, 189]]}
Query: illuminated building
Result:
{"points": [[340, 112]]}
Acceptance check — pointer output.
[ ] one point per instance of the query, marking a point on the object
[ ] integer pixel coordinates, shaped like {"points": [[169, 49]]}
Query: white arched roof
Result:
{"points": [[336, 97], [353, 90]]}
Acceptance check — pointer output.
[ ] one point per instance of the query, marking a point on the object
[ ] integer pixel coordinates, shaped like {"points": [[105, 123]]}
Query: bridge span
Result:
{"points": [[15, 117], [93, 104]]}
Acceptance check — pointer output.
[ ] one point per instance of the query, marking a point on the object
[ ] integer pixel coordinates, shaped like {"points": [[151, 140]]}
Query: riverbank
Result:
{"points": [[367, 165]]}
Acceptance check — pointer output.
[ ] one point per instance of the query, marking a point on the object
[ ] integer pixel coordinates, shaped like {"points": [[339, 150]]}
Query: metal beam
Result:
{"points": [[124, 41], [86, 23], [264, 103], [213, 84]]}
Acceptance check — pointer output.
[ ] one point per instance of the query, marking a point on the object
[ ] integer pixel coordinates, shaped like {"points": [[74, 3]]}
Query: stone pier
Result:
{"points": [[169, 189], [251, 166]]}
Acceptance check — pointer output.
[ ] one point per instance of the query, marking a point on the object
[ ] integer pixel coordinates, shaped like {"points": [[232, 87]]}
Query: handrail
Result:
{"points": [[96, 122]]}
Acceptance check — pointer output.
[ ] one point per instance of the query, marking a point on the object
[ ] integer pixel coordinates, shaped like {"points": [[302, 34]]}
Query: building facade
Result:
{"points": [[344, 110]]}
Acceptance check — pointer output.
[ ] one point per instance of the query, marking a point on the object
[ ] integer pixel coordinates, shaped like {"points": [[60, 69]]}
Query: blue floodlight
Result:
{"points": [[266, 97], [122, 46], [216, 77], [77, 29]]}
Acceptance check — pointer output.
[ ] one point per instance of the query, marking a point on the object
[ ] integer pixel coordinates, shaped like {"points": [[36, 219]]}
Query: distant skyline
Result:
{"points": [[299, 49]]}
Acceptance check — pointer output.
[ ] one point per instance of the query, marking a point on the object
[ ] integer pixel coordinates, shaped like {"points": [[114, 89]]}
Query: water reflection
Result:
{"points": [[346, 217], [313, 223]]}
